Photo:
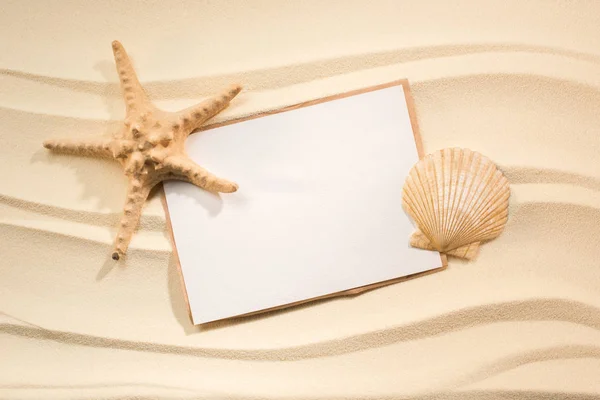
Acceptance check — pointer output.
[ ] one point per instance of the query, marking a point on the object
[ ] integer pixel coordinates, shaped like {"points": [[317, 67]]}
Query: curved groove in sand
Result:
{"points": [[529, 68], [147, 222], [52, 120], [445, 395], [262, 79], [518, 175], [28, 231], [525, 310], [505, 364], [489, 395], [244, 110], [98, 386], [487, 76]]}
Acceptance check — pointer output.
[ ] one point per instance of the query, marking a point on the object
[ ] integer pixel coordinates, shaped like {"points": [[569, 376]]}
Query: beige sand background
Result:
{"points": [[516, 80]]}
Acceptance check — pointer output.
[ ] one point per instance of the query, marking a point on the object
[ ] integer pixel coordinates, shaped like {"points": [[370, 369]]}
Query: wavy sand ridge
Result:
{"points": [[532, 349], [556, 310], [522, 321], [100, 101], [273, 78], [137, 392]]}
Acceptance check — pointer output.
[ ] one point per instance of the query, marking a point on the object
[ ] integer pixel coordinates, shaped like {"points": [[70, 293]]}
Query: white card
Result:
{"points": [[318, 209]]}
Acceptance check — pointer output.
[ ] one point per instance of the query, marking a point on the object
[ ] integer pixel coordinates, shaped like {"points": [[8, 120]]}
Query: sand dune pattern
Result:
{"points": [[445, 326]]}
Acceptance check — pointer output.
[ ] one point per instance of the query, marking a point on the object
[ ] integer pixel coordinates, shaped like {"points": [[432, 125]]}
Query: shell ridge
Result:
{"points": [[471, 199], [422, 201], [483, 232], [464, 182], [409, 203], [446, 166], [477, 215], [439, 183], [430, 203], [434, 191], [476, 200], [490, 232], [491, 211], [499, 217], [456, 183], [467, 194]]}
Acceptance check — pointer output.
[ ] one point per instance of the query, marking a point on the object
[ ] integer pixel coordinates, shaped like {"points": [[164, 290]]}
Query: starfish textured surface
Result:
{"points": [[150, 146]]}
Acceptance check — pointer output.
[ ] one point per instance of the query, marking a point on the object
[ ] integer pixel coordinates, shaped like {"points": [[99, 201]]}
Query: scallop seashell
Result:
{"points": [[457, 198]]}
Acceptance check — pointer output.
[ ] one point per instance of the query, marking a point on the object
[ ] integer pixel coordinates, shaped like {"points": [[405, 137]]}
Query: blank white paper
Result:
{"points": [[318, 209]]}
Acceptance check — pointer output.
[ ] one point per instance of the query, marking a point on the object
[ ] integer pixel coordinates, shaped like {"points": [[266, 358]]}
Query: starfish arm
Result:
{"points": [[193, 117], [136, 197], [136, 99], [199, 176], [98, 147]]}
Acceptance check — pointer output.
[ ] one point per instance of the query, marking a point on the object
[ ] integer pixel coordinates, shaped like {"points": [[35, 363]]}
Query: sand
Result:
{"points": [[516, 80]]}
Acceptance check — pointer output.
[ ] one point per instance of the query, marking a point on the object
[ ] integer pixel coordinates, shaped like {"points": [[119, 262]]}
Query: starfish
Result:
{"points": [[150, 146]]}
